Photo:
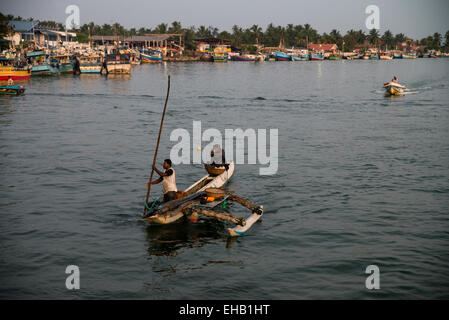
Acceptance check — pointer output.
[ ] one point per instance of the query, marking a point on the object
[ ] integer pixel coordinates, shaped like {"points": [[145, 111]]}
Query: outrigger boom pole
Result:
{"points": [[157, 147]]}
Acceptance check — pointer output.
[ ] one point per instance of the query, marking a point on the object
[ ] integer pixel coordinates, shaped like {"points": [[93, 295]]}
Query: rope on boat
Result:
{"points": [[153, 203]]}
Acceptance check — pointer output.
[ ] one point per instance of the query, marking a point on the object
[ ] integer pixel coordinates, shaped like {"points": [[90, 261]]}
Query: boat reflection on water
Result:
{"points": [[166, 240], [121, 76]]}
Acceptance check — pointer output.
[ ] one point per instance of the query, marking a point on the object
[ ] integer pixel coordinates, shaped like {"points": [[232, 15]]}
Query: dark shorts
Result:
{"points": [[171, 195]]}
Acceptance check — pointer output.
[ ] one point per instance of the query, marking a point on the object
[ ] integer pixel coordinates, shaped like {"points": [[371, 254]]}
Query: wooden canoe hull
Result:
{"points": [[205, 182]]}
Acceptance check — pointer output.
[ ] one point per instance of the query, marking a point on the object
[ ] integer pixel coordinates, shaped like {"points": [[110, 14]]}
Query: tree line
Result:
{"points": [[289, 36]]}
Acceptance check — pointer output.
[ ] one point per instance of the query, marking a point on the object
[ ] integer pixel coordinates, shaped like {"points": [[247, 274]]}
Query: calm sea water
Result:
{"points": [[362, 180]]}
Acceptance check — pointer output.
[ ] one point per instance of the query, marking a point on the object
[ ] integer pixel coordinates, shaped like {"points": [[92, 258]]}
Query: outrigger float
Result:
{"points": [[205, 197]]}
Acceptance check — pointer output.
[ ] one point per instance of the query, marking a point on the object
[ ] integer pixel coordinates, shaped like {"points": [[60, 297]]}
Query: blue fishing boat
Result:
{"points": [[300, 58], [151, 56], [316, 57], [374, 57], [42, 64], [397, 56], [280, 56]]}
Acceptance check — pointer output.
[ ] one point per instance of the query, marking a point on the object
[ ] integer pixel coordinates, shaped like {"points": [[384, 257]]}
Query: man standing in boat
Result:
{"points": [[168, 181]]}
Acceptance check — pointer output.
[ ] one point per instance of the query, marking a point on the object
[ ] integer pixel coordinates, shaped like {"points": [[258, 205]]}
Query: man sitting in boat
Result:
{"points": [[217, 157], [10, 81], [168, 181]]}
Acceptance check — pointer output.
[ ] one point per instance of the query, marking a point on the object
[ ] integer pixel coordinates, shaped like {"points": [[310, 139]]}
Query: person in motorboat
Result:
{"points": [[168, 180]]}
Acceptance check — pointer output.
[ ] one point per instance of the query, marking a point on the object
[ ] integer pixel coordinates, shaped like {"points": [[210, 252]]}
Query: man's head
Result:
{"points": [[167, 164]]}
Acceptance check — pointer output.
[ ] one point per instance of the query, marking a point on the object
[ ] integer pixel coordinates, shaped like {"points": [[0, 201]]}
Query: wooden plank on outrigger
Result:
{"points": [[218, 215]]}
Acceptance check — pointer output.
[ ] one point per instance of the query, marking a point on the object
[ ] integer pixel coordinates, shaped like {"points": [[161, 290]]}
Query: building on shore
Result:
{"points": [[21, 31], [41, 35], [168, 43], [323, 47], [205, 45]]}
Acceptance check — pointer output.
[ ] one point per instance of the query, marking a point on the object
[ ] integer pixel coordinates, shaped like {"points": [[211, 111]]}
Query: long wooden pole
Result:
{"points": [[157, 145]]}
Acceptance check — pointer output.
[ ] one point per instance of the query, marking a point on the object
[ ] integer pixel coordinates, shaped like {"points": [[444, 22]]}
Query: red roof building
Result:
{"points": [[326, 47]]}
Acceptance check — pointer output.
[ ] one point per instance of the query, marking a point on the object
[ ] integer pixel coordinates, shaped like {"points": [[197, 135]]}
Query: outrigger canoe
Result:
{"points": [[192, 203], [208, 181]]}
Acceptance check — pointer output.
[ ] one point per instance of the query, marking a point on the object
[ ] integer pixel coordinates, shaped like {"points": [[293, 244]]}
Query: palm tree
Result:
{"points": [[203, 32], [388, 39], [400, 38], [161, 28], [298, 35], [307, 32], [350, 40], [236, 35], [373, 36], [437, 40], [256, 31], [175, 27], [336, 38]]}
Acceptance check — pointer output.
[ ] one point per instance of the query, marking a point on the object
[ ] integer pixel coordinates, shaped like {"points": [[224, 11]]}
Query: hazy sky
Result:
{"points": [[415, 18]]}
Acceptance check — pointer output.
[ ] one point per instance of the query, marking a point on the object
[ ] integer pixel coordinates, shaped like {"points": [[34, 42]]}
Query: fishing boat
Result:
{"points": [[42, 65], [300, 58], [220, 54], [374, 57], [385, 57], [9, 71], [134, 58], [206, 57], [91, 64], [218, 57], [64, 63], [316, 57], [280, 56], [118, 64], [151, 56], [12, 90], [409, 56], [393, 89], [335, 57], [245, 57], [397, 56]]}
